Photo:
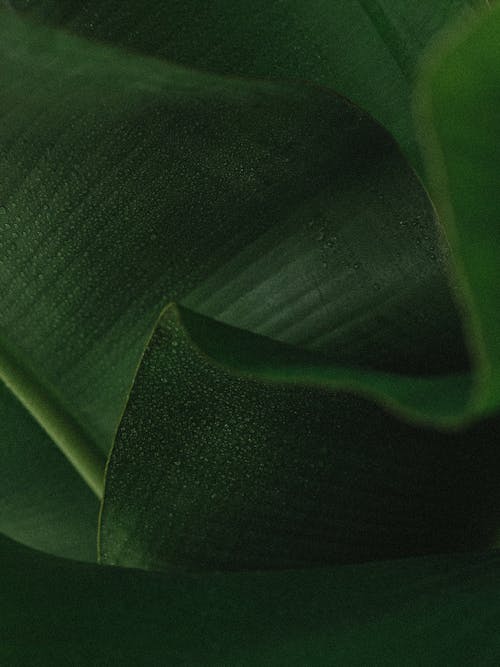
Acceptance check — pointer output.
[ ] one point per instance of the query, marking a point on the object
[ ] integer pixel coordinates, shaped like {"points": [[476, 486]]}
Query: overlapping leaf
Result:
{"points": [[146, 175], [209, 524], [130, 182]]}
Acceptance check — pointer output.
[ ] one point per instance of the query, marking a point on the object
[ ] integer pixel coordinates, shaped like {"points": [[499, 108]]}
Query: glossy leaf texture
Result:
{"points": [[368, 51], [131, 182], [439, 610]]}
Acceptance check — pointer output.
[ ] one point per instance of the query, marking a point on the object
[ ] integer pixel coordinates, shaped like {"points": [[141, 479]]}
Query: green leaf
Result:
{"points": [[429, 611], [43, 501], [459, 101], [131, 182], [97, 148], [218, 428], [367, 50], [211, 470]]}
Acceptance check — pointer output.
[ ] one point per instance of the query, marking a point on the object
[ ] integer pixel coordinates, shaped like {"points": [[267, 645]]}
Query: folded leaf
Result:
{"points": [[214, 471], [439, 610], [259, 524]]}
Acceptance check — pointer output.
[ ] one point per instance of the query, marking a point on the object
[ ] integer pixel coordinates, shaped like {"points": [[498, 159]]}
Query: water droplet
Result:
{"points": [[3, 210]]}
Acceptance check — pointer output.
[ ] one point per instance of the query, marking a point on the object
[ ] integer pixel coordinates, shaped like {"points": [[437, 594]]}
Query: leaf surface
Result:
{"points": [[459, 102], [43, 501], [439, 610], [367, 50], [212, 470]]}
